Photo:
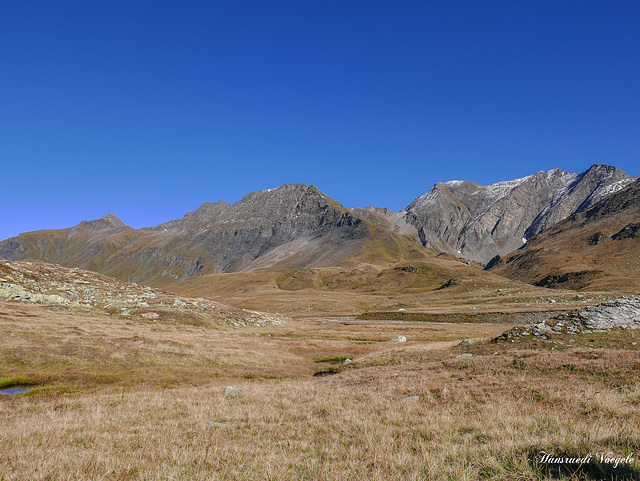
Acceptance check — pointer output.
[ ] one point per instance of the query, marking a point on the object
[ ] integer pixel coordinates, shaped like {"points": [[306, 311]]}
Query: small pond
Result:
{"points": [[18, 389]]}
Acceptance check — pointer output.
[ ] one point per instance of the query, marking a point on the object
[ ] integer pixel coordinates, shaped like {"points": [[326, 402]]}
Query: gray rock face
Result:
{"points": [[207, 212], [556, 257], [623, 313], [480, 222], [291, 218], [582, 193]]}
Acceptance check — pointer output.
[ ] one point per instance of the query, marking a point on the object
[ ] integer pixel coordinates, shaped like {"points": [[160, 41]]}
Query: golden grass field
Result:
{"points": [[363, 288], [121, 398]]}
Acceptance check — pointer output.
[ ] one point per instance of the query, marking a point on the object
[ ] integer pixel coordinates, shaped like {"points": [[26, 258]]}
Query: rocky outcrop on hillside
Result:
{"points": [[42, 283], [480, 222], [623, 313], [595, 249]]}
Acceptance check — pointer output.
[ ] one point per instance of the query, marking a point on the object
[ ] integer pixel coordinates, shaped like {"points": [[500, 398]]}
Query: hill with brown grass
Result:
{"points": [[434, 286], [595, 250]]}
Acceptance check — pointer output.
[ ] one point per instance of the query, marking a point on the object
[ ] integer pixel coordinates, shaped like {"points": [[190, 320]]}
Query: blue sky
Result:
{"points": [[148, 109]]}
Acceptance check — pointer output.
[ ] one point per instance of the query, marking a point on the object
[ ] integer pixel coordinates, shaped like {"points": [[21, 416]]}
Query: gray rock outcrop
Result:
{"points": [[399, 339], [37, 282], [480, 222], [621, 313]]}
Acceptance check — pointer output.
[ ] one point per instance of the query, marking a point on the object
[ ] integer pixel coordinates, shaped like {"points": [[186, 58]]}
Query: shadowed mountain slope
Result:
{"points": [[291, 226], [596, 249]]}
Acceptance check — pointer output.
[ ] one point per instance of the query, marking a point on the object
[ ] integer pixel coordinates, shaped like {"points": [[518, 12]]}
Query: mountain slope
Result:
{"points": [[291, 226], [596, 249], [479, 222]]}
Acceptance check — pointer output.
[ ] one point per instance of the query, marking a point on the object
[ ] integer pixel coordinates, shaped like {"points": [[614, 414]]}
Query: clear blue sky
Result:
{"points": [[149, 108]]}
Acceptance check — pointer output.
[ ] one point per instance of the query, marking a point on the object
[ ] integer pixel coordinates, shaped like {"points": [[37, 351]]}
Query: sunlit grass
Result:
{"points": [[111, 407]]}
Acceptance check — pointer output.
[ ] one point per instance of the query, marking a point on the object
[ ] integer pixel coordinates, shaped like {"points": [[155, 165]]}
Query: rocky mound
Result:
{"points": [[42, 283], [622, 312]]}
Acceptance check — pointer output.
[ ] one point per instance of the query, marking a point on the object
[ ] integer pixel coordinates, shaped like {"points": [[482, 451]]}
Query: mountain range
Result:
{"points": [[293, 225], [297, 226]]}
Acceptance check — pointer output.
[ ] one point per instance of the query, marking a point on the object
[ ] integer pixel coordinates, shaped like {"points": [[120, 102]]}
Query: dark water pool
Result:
{"points": [[16, 389]]}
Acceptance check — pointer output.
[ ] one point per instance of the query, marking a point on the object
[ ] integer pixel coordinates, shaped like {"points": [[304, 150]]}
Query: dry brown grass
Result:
{"points": [[73, 347], [366, 288], [162, 412]]}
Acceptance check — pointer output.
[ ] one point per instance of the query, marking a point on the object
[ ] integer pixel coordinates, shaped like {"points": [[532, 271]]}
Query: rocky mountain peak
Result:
{"points": [[207, 212], [603, 169], [479, 222], [209, 209], [112, 219], [283, 202], [379, 210], [283, 193], [109, 222], [594, 249]]}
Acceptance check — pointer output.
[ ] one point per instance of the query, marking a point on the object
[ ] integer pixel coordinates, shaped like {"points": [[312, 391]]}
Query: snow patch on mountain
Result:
{"points": [[501, 189]]}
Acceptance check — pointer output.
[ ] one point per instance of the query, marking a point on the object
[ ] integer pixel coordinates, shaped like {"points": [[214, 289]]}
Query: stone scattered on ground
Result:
{"points": [[226, 424], [399, 339], [411, 399], [465, 355], [466, 342], [234, 391], [42, 283], [623, 313], [346, 361]]}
